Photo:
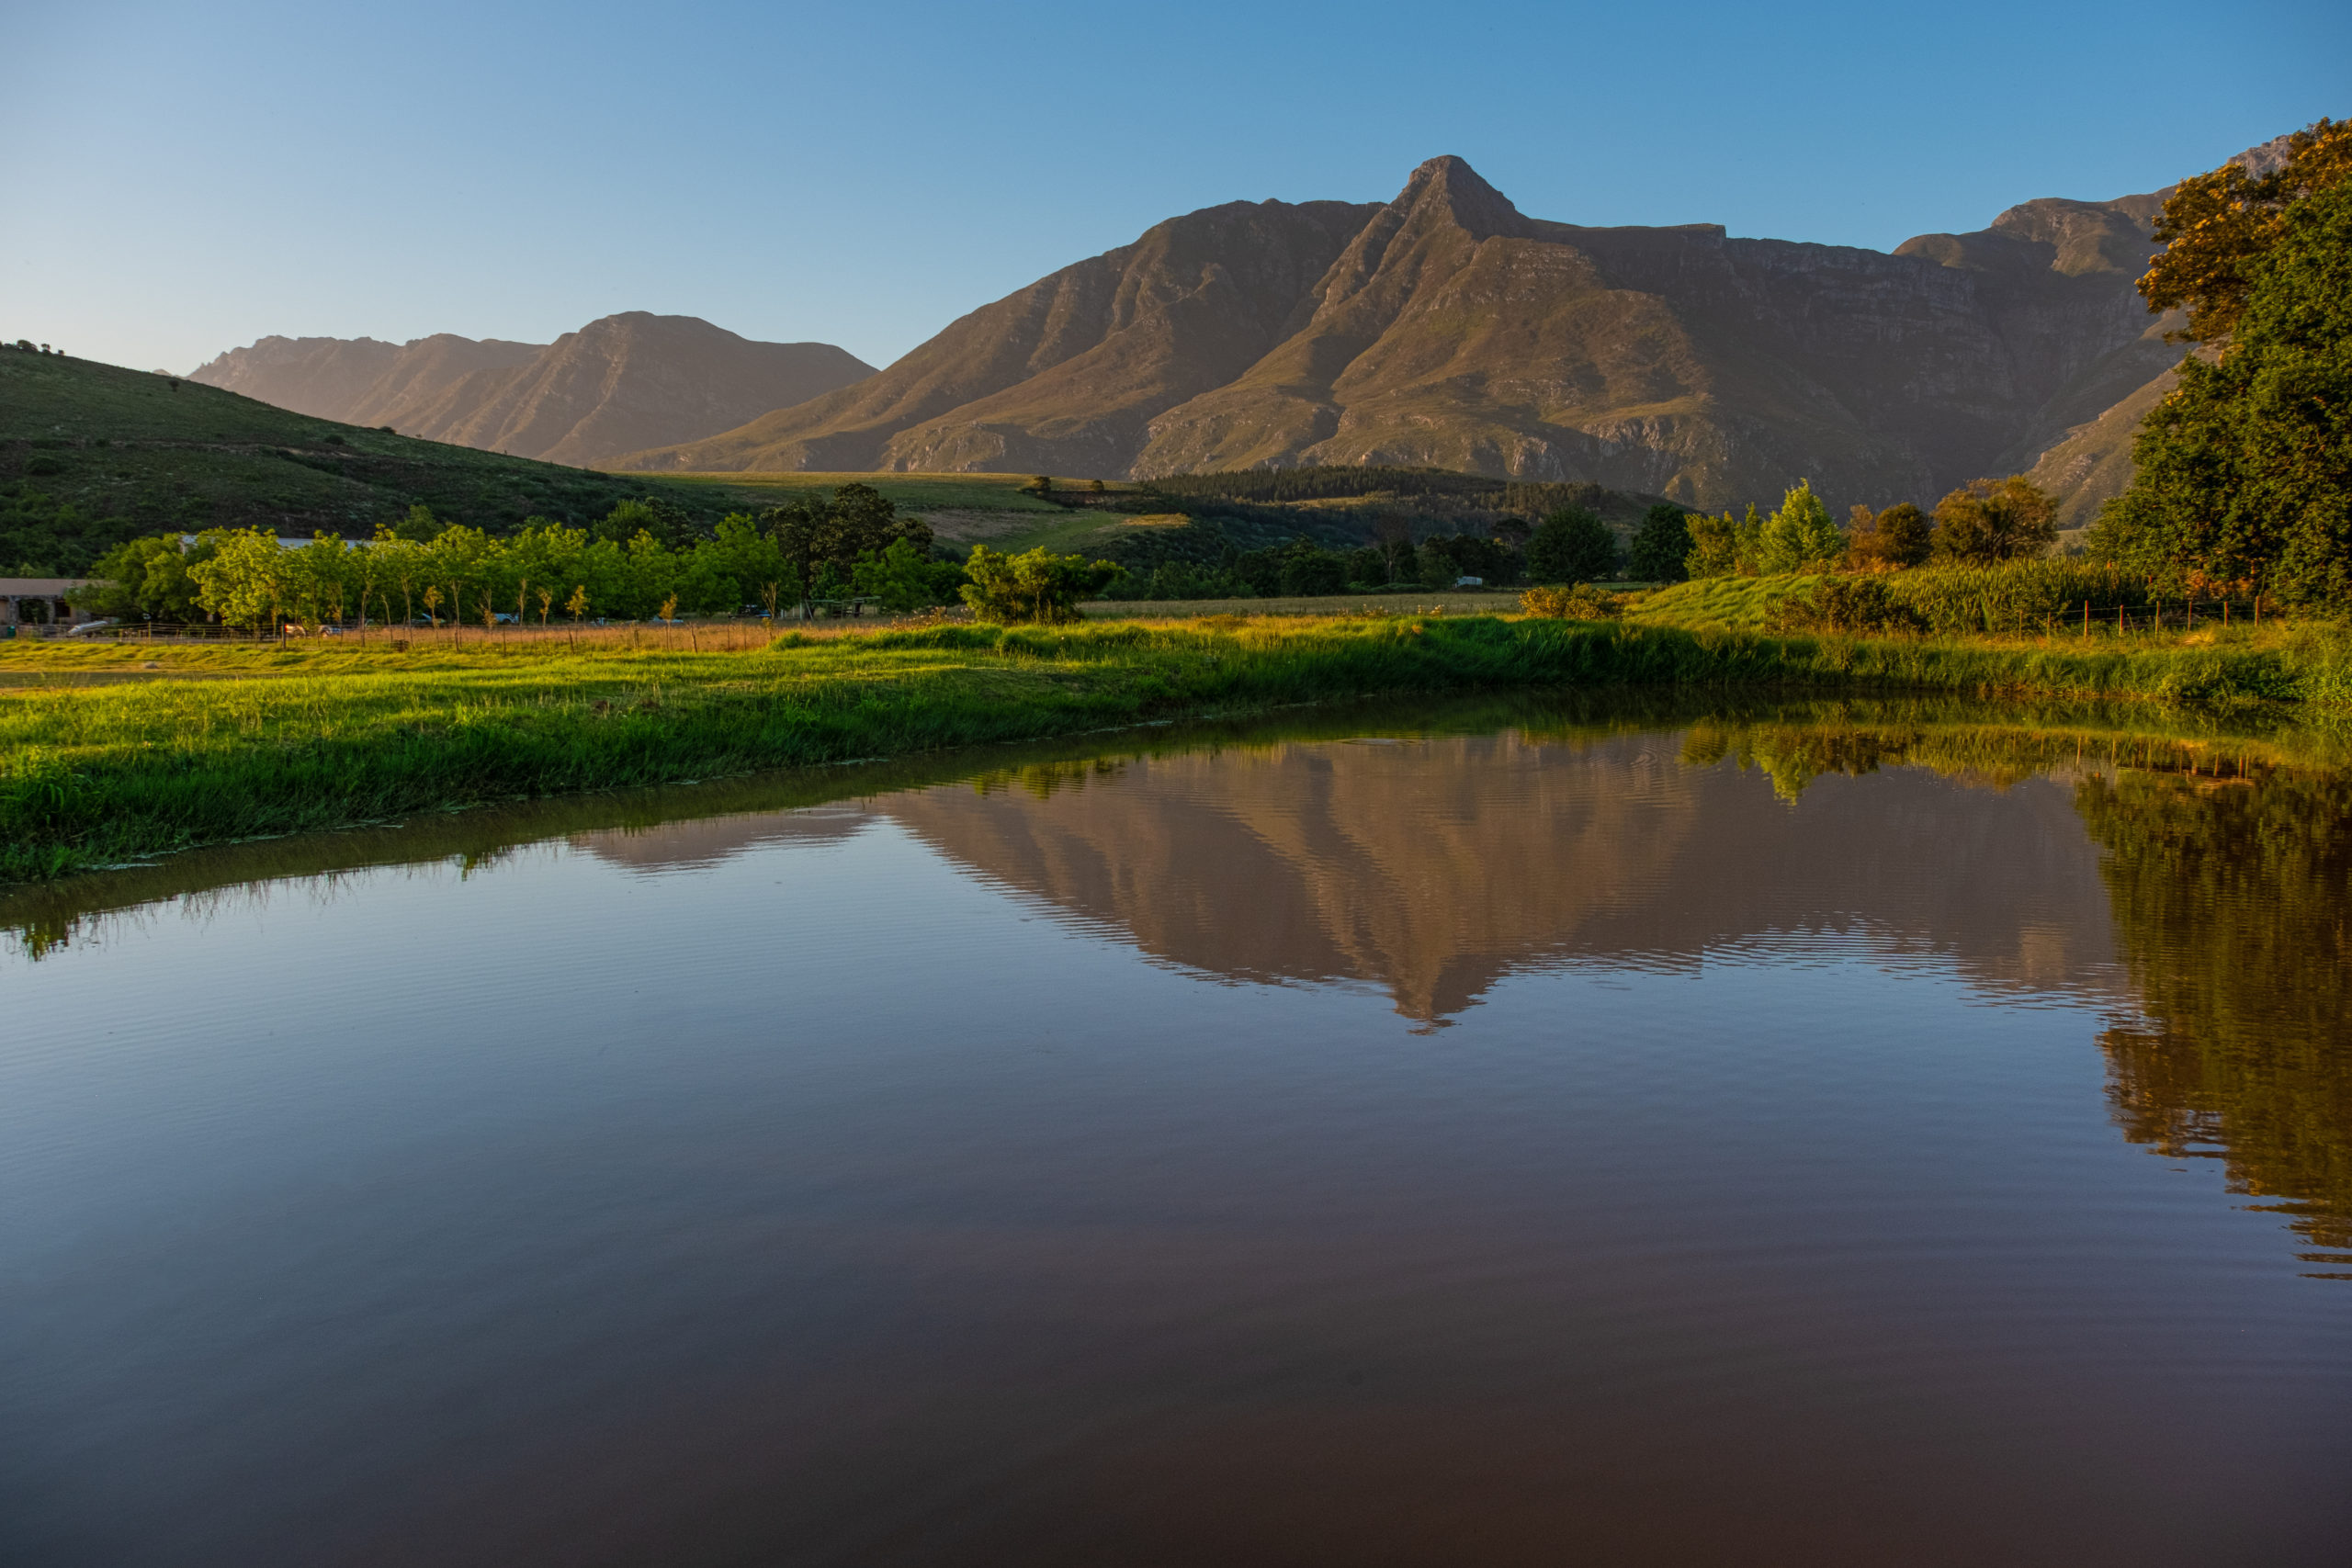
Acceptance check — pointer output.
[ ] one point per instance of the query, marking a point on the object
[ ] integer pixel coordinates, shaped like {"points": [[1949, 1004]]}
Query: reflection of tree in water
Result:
{"points": [[2233, 912], [1793, 756]]}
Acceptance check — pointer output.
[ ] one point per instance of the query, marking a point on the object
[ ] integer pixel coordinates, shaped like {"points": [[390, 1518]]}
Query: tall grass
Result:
{"points": [[340, 735], [2015, 597]]}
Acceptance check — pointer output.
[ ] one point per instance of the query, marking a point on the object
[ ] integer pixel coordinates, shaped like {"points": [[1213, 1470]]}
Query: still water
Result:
{"points": [[1482, 1137]]}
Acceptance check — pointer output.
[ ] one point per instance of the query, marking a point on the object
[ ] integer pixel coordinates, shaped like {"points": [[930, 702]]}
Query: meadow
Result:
{"points": [[337, 732]]}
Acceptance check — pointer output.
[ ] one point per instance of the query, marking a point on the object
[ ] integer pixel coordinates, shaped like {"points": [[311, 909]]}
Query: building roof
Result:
{"points": [[38, 587]]}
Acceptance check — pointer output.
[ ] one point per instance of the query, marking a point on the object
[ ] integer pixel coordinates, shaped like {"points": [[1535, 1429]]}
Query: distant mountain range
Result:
{"points": [[1445, 328], [616, 385]]}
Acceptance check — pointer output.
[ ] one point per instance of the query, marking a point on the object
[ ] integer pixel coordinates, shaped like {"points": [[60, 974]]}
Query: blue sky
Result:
{"points": [[178, 179]]}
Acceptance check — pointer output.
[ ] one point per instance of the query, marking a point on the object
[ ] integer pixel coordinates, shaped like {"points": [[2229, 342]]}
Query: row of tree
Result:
{"points": [[818, 548]]}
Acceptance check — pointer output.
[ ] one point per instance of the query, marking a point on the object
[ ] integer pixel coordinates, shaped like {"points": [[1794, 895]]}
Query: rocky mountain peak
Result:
{"points": [[1450, 186]]}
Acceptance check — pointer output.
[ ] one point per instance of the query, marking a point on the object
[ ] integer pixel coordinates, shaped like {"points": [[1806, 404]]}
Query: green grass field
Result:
{"points": [[337, 734], [1741, 602]]}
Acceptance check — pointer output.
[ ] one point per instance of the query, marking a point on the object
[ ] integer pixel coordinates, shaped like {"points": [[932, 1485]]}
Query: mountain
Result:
{"points": [[1445, 328], [355, 380], [618, 384]]}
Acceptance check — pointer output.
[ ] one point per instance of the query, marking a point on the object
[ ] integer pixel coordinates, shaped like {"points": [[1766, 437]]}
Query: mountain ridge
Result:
{"points": [[1445, 328], [621, 382]]}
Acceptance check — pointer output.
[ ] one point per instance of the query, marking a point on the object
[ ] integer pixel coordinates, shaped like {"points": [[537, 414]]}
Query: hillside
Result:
{"points": [[91, 455], [1446, 329], [619, 383]]}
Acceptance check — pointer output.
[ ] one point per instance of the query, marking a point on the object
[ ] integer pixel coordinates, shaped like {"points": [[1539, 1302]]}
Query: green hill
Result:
{"points": [[91, 455]]}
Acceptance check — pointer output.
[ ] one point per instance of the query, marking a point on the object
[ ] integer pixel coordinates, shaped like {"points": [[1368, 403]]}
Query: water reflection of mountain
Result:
{"points": [[1432, 868], [705, 841]]}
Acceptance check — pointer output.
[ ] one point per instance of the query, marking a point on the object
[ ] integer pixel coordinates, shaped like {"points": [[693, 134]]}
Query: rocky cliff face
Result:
{"points": [[618, 384], [1447, 328]]}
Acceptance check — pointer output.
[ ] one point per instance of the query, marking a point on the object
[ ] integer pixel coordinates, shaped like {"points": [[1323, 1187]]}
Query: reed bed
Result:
{"points": [[340, 734]]}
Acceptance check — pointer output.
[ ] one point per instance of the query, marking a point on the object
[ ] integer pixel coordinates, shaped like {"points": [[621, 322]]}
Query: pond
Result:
{"points": [[1510, 1132]]}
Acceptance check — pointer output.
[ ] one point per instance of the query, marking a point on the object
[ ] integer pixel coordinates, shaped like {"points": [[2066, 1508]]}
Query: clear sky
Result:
{"points": [[176, 179]]}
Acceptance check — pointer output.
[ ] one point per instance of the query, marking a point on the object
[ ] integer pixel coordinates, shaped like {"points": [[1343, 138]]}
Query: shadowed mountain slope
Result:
{"points": [[1446, 328], [618, 384], [1065, 375]]}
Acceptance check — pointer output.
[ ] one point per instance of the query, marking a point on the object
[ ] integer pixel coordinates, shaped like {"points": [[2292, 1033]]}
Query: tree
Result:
{"points": [[898, 578], [1995, 520], [2244, 473], [1715, 544], [1572, 544], [816, 537], [1033, 586], [145, 579], [1800, 536], [246, 583], [1660, 546], [1898, 536], [1309, 571], [2216, 227]]}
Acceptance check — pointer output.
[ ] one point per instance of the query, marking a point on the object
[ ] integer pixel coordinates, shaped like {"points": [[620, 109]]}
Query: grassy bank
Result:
{"points": [[333, 735]]}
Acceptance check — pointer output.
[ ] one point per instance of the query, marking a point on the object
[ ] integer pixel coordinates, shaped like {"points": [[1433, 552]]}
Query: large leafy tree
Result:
{"points": [[1995, 520], [823, 538], [1660, 546], [1572, 544], [1801, 535], [1899, 536], [2244, 473], [1033, 586], [2217, 227]]}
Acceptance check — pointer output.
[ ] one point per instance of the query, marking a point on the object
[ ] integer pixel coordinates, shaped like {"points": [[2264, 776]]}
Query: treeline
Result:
{"points": [[636, 564], [1571, 545]]}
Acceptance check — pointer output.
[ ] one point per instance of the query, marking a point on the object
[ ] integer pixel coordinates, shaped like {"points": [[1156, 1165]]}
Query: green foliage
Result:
{"points": [[1035, 586], [146, 580], [1900, 536], [1846, 605], [2219, 229], [1573, 545], [1988, 521], [900, 579], [1661, 546], [1723, 546], [2244, 473], [1801, 535], [1581, 602], [820, 540], [1308, 571], [1952, 601]]}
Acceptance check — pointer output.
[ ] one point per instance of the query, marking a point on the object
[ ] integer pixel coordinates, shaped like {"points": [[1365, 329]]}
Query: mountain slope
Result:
{"points": [[1063, 375], [1446, 328], [91, 455], [620, 383]]}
